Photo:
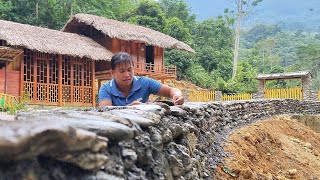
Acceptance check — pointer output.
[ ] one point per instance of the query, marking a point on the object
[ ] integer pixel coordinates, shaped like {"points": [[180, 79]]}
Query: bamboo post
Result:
{"points": [[71, 80], [82, 83], [34, 76], [21, 79], [48, 78], [60, 80], [6, 78], [93, 84]]}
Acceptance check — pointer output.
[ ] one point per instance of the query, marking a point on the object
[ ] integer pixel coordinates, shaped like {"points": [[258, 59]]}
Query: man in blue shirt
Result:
{"points": [[126, 89]]}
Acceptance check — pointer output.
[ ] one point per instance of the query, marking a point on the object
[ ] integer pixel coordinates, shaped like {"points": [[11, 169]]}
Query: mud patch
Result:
{"points": [[276, 148]]}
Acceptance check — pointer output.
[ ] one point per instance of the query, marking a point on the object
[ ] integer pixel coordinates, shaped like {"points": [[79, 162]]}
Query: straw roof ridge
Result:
{"points": [[52, 41], [284, 75], [129, 32]]}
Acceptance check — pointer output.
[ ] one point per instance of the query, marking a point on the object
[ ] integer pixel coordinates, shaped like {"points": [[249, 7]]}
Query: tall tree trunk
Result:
{"points": [[237, 41], [37, 10], [71, 8]]}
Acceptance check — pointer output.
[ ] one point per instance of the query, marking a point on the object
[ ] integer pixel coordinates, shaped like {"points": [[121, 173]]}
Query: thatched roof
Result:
{"points": [[51, 41], [9, 53], [127, 32], [289, 75]]}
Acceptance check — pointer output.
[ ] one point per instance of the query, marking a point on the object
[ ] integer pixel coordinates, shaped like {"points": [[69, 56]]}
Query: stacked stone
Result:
{"points": [[140, 142]]}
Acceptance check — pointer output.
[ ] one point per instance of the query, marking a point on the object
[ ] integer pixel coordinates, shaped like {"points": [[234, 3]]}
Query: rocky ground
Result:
{"points": [[277, 148]]}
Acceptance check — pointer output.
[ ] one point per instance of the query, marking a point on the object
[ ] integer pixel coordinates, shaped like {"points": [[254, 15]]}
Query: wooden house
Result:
{"points": [[145, 45], [50, 67], [44, 66]]}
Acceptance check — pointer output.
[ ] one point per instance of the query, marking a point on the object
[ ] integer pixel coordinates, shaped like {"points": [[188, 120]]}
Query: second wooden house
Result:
{"points": [[145, 45]]}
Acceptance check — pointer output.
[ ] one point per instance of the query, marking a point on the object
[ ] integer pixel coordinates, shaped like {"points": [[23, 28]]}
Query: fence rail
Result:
{"points": [[7, 100], [234, 97], [202, 96], [205, 95], [294, 93]]}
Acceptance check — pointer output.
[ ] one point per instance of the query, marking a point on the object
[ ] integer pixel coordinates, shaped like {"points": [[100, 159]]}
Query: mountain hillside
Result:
{"points": [[291, 14]]}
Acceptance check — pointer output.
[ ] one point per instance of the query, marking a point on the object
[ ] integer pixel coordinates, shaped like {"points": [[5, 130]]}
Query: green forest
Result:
{"points": [[263, 48]]}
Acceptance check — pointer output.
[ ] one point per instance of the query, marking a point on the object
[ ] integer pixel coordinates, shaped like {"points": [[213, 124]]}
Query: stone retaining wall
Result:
{"points": [[139, 142]]}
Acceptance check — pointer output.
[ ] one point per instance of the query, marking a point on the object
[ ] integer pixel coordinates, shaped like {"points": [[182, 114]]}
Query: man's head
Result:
{"points": [[122, 69], [120, 58]]}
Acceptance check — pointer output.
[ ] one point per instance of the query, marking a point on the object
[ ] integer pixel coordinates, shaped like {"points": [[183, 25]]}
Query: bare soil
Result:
{"points": [[278, 148]]}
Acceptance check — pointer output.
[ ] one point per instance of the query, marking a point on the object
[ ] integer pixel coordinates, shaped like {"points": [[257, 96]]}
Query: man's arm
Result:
{"points": [[104, 96], [105, 103], [173, 93]]}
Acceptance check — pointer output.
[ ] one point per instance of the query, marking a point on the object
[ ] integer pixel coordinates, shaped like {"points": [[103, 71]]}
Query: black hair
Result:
{"points": [[119, 58]]}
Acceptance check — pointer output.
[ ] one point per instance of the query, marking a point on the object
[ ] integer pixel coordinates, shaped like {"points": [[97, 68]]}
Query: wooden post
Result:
{"points": [[34, 76], [21, 79], [60, 81], [93, 84], [261, 88], [115, 45], [82, 81], [99, 84], [71, 79], [138, 64], [48, 78], [6, 78]]}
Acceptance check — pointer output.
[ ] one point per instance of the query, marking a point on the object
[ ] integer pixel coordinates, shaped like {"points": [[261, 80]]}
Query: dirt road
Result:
{"points": [[279, 148]]}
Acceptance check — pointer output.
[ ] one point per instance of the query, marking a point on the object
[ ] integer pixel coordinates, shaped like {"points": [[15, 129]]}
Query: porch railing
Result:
{"points": [[155, 70], [144, 69], [48, 94], [7, 100]]}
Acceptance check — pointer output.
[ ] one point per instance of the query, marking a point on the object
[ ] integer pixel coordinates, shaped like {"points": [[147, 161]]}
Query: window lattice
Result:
{"points": [[28, 91], [66, 68], [28, 65], [54, 69], [41, 74], [66, 98], [41, 92], [77, 70], [53, 91]]}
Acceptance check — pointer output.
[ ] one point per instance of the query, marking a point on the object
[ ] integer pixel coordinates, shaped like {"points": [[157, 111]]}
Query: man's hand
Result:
{"points": [[177, 99], [136, 102]]}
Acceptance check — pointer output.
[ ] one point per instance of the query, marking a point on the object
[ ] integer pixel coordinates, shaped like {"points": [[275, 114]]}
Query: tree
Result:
{"points": [[5, 8], [180, 10], [243, 9], [309, 56], [260, 32], [267, 58], [54, 13], [148, 14], [214, 33], [245, 80], [174, 27], [263, 56], [181, 59], [213, 43], [197, 75]]}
